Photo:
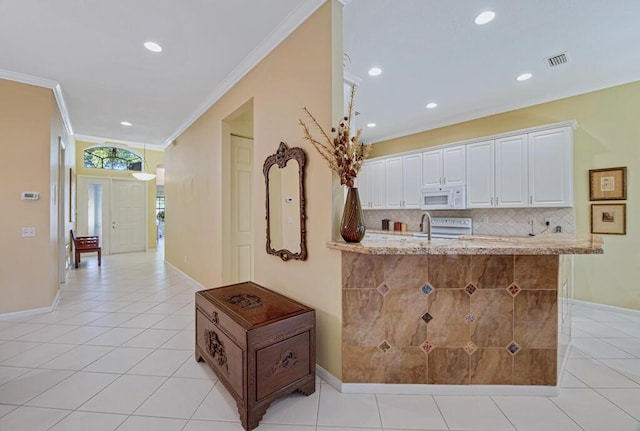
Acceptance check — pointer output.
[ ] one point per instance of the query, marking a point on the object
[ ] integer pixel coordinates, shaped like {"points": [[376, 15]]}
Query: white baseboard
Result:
{"points": [[604, 307], [172, 266], [416, 389], [25, 313], [329, 378]]}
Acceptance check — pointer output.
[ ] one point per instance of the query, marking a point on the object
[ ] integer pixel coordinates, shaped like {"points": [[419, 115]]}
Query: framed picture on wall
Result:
{"points": [[608, 184], [609, 219]]}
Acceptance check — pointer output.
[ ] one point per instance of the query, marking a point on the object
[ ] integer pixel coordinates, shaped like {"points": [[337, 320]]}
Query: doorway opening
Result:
{"points": [[237, 195], [115, 210]]}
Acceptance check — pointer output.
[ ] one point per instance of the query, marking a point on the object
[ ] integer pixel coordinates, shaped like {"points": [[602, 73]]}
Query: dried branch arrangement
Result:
{"points": [[344, 154]]}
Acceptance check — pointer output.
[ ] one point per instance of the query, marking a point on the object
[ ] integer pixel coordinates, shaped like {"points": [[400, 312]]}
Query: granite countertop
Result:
{"points": [[553, 243]]}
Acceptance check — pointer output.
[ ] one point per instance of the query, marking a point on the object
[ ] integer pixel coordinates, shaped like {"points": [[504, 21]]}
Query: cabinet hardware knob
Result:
{"points": [[530, 199], [214, 317], [492, 201]]}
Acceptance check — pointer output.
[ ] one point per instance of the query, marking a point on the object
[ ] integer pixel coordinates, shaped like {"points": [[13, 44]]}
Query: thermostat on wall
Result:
{"points": [[30, 196]]}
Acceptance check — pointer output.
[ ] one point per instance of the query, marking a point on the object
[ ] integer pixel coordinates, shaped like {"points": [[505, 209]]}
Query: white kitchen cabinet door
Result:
{"points": [[551, 168], [393, 186], [411, 180], [453, 165], [512, 172], [432, 168], [378, 182], [363, 183], [480, 174], [445, 166]]}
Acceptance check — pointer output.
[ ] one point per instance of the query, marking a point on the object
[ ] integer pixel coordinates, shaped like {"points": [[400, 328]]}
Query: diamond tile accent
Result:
{"points": [[470, 318], [427, 317], [471, 289], [427, 289], [384, 346], [514, 289], [470, 348], [513, 348], [383, 289], [427, 346]]}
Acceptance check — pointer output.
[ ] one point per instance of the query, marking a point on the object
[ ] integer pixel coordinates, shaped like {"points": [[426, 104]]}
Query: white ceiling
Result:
{"points": [[429, 50], [94, 49], [432, 50]]}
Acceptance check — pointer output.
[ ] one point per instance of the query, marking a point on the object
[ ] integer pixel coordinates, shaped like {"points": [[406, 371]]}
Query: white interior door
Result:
{"points": [[128, 216], [241, 209], [93, 205]]}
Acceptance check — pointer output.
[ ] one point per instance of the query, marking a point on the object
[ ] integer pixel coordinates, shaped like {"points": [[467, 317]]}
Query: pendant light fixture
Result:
{"points": [[145, 175]]}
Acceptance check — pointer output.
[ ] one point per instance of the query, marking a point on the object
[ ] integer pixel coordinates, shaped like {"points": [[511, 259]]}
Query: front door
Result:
{"points": [[128, 216], [114, 210]]}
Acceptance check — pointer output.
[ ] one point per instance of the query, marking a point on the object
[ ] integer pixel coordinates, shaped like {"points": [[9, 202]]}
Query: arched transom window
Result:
{"points": [[117, 159]]}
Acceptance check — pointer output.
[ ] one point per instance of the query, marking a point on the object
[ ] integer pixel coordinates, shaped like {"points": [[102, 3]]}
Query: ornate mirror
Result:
{"points": [[284, 177]]}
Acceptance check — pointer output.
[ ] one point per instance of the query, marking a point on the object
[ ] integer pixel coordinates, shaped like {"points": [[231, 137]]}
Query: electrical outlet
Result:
{"points": [[185, 258], [485, 219]]}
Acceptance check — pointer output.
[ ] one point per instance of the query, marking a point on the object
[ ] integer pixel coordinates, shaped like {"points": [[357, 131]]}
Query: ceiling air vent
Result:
{"points": [[557, 60]]}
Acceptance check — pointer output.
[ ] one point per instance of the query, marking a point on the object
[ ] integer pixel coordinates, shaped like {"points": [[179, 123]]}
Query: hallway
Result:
{"points": [[117, 354]]}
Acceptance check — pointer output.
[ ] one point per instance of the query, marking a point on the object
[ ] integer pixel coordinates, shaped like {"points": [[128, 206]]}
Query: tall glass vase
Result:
{"points": [[352, 226]]}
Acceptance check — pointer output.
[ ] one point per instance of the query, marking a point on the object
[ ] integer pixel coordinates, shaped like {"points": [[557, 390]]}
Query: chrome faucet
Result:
{"points": [[428, 226]]}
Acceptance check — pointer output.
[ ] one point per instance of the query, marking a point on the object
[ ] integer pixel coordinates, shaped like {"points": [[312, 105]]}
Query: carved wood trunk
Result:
{"points": [[260, 344]]}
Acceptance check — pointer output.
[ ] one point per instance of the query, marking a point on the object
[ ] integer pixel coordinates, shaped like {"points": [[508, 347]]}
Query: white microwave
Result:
{"points": [[443, 198]]}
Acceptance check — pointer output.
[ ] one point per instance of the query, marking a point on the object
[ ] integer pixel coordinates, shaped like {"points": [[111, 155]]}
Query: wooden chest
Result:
{"points": [[260, 344]]}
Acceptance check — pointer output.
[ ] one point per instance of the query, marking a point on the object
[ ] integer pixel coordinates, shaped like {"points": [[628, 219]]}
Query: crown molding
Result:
{"points": [[62, 106], [45, 83], [27, 79], [100, 140], [296, 17]]}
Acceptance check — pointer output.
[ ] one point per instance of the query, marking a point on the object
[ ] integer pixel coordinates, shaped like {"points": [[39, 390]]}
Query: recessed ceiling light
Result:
{"points": [[126, 123], [431, 105], [371, 124], [153, 47], [374, 71], [524, 76], [485, 17]]}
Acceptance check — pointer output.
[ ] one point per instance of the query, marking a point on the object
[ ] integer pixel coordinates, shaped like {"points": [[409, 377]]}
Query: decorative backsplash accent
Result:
{"points": [[489, 221]]}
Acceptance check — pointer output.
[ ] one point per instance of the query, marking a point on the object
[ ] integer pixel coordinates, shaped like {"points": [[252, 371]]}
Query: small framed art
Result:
{"points": [[609, 219], [608, 184]]}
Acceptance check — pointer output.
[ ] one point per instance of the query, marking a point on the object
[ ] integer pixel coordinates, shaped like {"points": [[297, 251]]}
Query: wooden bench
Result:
{"points": [[85, 244]]}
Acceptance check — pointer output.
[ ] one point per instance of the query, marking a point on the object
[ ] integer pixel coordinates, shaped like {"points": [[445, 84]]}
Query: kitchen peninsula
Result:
{"points": [[471, 311]]}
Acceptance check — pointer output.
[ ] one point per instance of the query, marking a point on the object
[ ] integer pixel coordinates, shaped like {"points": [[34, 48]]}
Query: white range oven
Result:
{"points": [[451, 227]]}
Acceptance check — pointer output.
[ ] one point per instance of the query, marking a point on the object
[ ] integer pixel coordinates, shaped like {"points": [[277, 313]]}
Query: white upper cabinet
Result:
{"points": [[377, 175], [363, 184], [480, 175], [512, 179], [445, 166], [529, 170], [403, 177], [551, 168], [393, 189], [411, 180], [371, 184]]}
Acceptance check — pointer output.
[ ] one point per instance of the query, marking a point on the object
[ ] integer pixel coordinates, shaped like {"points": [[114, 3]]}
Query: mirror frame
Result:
{"points": [[280, 158]]}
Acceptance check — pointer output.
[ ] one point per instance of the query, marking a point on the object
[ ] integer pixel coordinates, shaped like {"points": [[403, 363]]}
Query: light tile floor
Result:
{"points": [[117, 354]]}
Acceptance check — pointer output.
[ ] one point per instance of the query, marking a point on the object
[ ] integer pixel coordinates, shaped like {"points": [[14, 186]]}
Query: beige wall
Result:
{"points": [[301, 71], [154, 158], [30, 125], [608, 135]]}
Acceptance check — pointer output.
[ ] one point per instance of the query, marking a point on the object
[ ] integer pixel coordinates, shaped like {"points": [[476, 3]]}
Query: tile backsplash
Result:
{"points": [[486, 221]]}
